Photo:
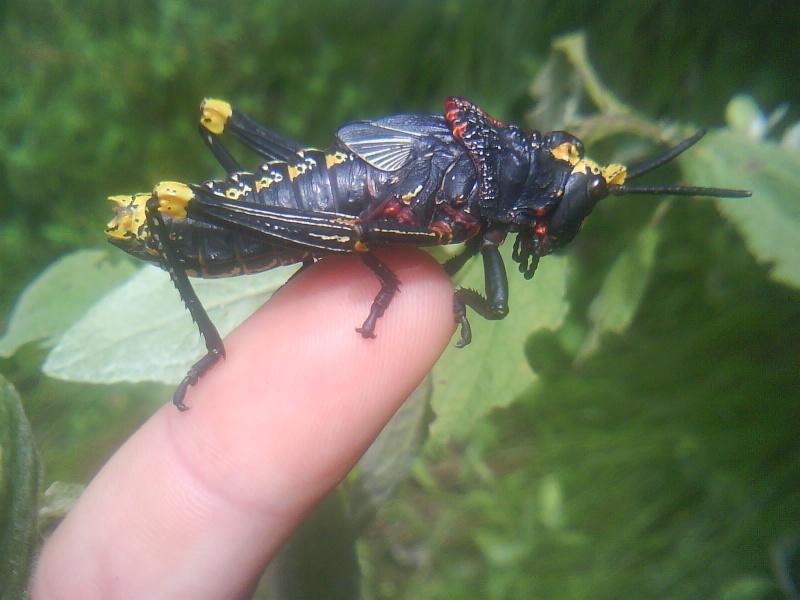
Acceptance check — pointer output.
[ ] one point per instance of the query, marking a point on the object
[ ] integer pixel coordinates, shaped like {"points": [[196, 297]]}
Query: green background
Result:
{"points": [[666, 464]]}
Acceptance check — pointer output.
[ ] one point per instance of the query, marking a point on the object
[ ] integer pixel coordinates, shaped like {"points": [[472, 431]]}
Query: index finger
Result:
{"points": [[195, 504]]}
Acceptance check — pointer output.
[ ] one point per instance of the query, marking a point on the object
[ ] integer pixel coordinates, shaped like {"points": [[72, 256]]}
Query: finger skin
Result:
{"points": [[195, 504]]}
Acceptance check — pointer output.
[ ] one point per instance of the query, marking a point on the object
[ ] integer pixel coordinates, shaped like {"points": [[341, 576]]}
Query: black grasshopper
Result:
{"points": [[404, 180]]}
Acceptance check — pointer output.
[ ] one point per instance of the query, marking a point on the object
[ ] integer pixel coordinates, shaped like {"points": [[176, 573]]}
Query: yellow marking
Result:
{"points": [[336, 158], [567, 152], [295, 170], [587, 166], [360, 246], [121, 200], [215, 115], [407, 198], [334, 238], [614, 174], [301, 168], [263, 183], [129, 218], [173, 198], [233, 193]]}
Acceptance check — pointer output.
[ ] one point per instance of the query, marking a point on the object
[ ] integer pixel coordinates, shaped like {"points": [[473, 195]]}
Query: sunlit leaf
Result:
{"points": [[58, 499], [141, 331], [61, 294], [493, 370], [745, 116], [389, 458], [615, 305], [770, 220]]}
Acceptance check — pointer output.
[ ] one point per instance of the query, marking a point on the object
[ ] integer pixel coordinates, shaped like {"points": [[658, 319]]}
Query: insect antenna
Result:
{"points": [[672, 190]]}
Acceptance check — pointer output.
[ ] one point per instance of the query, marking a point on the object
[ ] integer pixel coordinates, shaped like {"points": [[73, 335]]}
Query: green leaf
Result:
{"points": [[59, 296], [770, 220], [141, 331], [319, 560], [20, 476], [58, 499], [615, 305], [561, 88], [388, 460], [745, 116], [492, 371], [573, 45]]}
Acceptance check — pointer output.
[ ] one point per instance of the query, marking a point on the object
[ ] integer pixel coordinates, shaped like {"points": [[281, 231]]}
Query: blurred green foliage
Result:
{"points": [[663, 466], [99, 96]]}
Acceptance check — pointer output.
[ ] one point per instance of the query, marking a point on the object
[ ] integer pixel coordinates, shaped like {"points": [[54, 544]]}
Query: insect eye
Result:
{"points": [[596, 189]]}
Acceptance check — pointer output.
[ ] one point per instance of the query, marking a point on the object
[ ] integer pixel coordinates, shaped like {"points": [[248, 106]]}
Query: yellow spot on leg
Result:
{"points": [[215, 114], [615, 174], [173, 197]]}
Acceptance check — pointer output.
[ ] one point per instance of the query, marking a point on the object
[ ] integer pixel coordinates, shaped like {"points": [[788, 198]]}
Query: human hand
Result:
{"points": [[195, 504]]}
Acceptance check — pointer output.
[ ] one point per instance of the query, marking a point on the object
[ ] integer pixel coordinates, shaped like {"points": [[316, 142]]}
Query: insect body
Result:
{"points": [[418, 180]]}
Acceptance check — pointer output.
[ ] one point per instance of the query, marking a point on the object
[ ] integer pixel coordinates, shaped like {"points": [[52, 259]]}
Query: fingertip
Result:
{"points": [[303, 374], [271, 430], [322, 308]]}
